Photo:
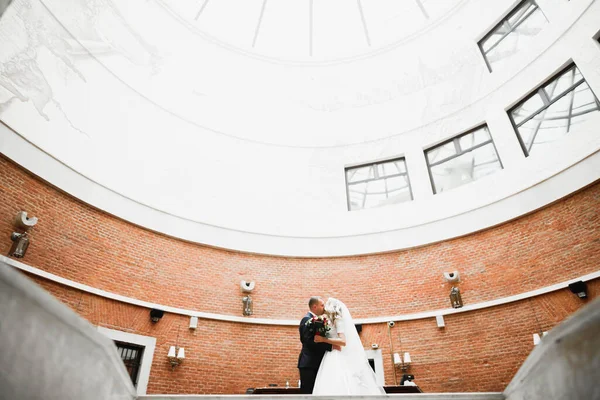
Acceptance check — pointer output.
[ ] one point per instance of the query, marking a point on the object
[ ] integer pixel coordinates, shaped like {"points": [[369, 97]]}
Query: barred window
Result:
{"points": [[131, 355], [512, 34], [462, 159], [377, 184], [558, 107]]}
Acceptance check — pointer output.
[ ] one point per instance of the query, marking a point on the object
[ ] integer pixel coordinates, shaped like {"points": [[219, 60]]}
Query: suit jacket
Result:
{"points": [[312, 353]]}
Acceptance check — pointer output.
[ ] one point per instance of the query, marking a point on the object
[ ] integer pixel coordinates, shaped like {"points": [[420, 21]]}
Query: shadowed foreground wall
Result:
{"points": [[477, 351]]}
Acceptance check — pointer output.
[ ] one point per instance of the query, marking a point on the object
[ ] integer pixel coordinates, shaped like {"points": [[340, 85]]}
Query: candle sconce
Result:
{"points": [[247, 287], [402, 362], [176, 356], [455, 298], [21, 239], [248, 307]]}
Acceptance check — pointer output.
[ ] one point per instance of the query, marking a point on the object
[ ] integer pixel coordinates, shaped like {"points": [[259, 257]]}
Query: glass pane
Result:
{"points": [[474, 138], [560, 118], [396, 183], [377, 187], [465, 168], [375, 200], [397, 197], [391, 168], [562, 83], [357, 192], [379, 192], [529, 107], [441, 152], [521, 13], [584, 99], [360, 173], [523, 27], [495, 37]]}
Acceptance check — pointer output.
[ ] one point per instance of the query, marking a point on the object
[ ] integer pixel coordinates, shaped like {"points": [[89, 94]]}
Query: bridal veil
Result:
{"points": [[346, 372]]}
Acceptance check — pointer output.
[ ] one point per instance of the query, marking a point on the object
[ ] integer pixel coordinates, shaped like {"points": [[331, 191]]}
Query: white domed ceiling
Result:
{"points": [[285, 73], [310, 31], [231, 122]]}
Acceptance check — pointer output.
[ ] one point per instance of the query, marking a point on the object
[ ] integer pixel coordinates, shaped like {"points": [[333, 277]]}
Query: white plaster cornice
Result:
{"points": [[293, 322]]}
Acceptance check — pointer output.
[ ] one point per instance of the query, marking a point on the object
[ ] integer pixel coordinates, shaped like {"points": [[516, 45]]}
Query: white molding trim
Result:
{"points": [[149, 344], [501, 197], [293, 322], [378, 361]]}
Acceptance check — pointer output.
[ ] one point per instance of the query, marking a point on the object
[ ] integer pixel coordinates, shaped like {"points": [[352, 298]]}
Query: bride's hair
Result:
{"points": [[333, 308]]}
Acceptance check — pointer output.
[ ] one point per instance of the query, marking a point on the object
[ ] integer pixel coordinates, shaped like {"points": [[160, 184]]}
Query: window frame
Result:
{"points": [[504, 19], [455, 140], [375, 163], [539, 90], [149, 344], [137, 361]]}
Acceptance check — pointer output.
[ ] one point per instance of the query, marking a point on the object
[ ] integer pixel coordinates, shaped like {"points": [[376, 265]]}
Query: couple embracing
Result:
{"points": [[334, 364]]}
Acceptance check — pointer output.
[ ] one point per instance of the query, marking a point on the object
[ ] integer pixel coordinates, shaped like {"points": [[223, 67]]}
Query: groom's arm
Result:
{"points": [[308, 338]]}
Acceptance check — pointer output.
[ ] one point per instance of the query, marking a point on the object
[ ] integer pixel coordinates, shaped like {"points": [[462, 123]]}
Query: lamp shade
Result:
{"points": [[171, 352], [407, 358], [397, 359], [181, 354]]}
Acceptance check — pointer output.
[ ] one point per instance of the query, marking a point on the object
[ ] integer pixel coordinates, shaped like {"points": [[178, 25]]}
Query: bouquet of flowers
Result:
{"points": [[318, 325]]}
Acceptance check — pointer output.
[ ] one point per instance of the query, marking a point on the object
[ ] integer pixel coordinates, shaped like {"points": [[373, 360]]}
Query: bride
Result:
{"points": [[347, 371]]}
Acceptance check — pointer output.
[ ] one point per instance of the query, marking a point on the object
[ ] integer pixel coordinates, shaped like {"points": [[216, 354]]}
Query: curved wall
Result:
{"points": [[477, 351], [212, 146], [80, 243]]}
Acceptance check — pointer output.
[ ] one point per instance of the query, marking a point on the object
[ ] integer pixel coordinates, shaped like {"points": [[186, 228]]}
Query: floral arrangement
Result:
{"points": [[318, 325]]}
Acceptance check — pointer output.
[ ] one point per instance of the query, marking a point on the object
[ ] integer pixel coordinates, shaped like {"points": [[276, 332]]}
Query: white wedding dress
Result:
{"points": [[345, 372]]}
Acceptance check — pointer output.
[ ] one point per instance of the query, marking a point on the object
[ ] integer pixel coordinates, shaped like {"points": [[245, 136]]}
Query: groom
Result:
{"points": [[312, 353]]}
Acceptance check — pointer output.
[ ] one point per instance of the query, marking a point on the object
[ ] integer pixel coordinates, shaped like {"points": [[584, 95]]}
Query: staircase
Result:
{"points": [[416, 396]]}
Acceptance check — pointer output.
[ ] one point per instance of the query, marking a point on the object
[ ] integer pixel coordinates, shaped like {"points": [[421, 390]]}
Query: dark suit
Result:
{"points": [[310, 357]]}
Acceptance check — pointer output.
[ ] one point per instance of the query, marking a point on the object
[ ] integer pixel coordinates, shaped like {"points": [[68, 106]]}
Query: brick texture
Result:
{"points": [[477, 351]]}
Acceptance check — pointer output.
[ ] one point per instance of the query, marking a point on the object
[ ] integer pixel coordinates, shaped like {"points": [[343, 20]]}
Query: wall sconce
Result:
{"points": [[156, 315], [403, 364], [20, 244], [247, 301], [579, 288], [175, 360], [247, 287], [455, 298], [452, 277], [21, 240], [193, 322]]}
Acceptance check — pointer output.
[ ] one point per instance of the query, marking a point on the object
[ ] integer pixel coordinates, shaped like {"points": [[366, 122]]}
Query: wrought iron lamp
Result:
{"points": [[20, 244], [455, 298], [176, 356], [21, 239], [404, 364], [247, 287], [248, 308]]}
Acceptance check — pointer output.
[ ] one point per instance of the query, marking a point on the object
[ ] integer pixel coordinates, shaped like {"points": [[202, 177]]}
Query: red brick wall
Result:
{"points": [[478, 351]]}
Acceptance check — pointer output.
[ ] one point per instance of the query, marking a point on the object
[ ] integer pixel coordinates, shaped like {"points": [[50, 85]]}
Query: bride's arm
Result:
{"points": [[339, 341]]}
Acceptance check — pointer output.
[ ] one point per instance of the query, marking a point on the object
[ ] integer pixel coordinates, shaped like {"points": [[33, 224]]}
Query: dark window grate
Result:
{"points": [[131, 355]]}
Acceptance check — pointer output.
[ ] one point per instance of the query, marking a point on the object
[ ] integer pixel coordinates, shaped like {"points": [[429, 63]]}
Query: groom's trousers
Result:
{"points": [[307, 380]]}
